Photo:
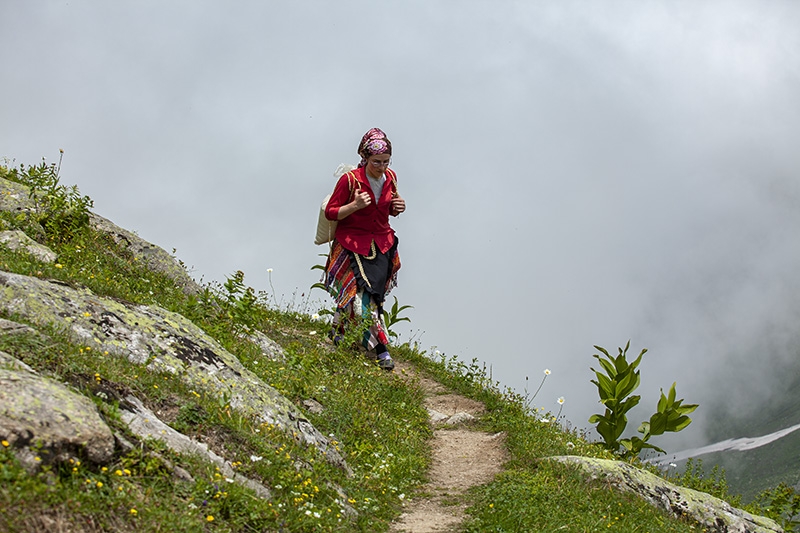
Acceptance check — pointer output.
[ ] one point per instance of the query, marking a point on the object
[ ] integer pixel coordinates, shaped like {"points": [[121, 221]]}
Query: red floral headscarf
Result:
{"points": [[373, 142]]}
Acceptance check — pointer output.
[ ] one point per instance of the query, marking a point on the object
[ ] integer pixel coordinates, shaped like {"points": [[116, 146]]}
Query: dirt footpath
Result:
{"points": [[462, 458]]}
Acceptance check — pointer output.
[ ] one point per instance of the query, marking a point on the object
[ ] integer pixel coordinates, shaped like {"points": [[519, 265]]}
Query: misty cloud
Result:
{"points": [[575, 174]]}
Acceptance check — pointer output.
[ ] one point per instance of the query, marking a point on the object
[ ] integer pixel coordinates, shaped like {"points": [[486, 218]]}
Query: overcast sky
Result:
{"points": [[576, 173]]}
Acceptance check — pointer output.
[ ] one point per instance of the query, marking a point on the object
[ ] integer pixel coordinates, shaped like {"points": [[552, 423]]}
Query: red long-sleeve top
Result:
{"points": [[357, 231]]}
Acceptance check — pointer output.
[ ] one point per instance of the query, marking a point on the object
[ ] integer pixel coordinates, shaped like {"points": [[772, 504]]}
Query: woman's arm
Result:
{"points": [[398, 206], [362, 199], [344, 201]]}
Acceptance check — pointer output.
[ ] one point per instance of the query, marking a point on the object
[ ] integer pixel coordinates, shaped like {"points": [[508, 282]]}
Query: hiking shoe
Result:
{"points": [[336, 337], [385, 362]]}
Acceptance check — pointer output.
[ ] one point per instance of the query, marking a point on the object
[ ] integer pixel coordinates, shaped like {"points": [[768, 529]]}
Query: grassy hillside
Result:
{"points": [[377, 419]]}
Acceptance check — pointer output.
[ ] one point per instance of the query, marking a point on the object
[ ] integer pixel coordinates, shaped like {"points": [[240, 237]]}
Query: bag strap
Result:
{"points": [[393, 177], [351, 179]]}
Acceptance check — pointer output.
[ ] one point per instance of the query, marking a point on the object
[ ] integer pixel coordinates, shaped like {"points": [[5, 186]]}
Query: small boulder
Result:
{"points": [[46, 422], [460, 418], [18, 240], [436, 417]]}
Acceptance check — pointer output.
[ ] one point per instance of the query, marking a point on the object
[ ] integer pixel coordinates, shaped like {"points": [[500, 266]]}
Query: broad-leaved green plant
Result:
{"points": [[615, 386]]}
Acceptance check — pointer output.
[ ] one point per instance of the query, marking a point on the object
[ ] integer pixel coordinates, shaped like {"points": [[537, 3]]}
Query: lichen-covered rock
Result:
{"points": [[157, 259], [46, 422], [710, 512], [15, 197], [18, 240], [161, 341], [269, 348]]}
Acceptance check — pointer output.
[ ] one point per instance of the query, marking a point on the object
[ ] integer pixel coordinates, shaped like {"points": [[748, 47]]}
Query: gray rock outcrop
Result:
{"points": [[710, 512], [18, 240], [45, 422], [145, 424], [160, 341], [15, 197]]}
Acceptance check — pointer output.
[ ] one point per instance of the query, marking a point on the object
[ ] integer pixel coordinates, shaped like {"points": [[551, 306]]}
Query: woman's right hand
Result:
{"points": [[362, 199]]}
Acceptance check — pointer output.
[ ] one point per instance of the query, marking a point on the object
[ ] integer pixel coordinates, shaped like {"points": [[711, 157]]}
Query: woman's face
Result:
{"points": [[376, 164]]}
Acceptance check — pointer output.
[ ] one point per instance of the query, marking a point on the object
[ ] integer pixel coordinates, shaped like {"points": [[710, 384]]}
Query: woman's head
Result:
{"points": [[374, 142]]}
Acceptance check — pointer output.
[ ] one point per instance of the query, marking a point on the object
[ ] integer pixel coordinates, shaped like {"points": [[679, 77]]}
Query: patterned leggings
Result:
{"points": [[363, 307], [355, 303]]}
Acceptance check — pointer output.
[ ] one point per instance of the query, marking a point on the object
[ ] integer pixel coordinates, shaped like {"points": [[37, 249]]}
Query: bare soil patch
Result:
{"points": [[463, 457]]}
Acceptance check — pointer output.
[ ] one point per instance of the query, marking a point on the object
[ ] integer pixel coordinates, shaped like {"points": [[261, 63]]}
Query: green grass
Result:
{"points": [[376, 419]]}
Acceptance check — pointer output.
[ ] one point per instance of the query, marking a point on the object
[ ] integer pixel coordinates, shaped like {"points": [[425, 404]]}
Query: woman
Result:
{"points": [[363, 262]]}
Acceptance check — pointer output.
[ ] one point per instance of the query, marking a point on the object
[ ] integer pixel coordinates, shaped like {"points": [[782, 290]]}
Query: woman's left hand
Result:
{"points": [[398, 206]]}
